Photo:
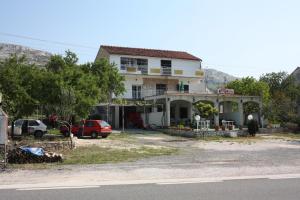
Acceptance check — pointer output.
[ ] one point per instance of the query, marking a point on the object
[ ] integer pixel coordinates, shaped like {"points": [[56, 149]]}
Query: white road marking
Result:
{"points": [[189, 182], [59, 188]]}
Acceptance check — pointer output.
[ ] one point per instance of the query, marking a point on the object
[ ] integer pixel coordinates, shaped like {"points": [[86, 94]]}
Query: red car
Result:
{"points": [[94, 128]]}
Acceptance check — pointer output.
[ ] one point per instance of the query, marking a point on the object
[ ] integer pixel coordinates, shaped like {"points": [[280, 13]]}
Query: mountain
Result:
{"points": [[33, 56], [216, 79]]}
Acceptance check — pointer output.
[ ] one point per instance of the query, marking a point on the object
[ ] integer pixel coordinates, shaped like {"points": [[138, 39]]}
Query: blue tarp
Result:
{"points": [[33, 150]]}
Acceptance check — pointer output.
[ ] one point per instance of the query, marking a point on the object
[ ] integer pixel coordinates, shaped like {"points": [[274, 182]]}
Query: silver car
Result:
{"points": [[29, 127]]}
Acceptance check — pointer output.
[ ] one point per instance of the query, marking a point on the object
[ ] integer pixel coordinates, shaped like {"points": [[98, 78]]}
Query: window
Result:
{"points": [[142, 61], [140, 64], [89, 124], [166, 67], [185, 88], [33, 123], [104, 124], [136, 92], [159, 108], [165, 63], [183, 112], [18, 123], [160, 89], [148, 109], [126, 62]]}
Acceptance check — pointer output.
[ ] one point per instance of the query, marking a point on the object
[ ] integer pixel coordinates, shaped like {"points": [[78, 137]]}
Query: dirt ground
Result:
{"points": [[263, 155]]}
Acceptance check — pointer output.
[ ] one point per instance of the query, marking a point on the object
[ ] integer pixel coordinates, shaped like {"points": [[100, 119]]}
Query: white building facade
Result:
{"points": [[169, 81]]}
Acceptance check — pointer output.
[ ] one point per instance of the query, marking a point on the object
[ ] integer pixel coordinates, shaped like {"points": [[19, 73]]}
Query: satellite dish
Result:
{"points": [[197, 118]]}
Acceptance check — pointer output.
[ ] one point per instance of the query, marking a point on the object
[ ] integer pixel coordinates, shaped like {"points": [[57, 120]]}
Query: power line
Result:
{"points": [[47, 41]]}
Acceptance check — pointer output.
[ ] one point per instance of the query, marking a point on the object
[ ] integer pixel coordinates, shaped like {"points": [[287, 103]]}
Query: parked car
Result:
{"points": [[64, 129], [94, 128], [29, 127]]}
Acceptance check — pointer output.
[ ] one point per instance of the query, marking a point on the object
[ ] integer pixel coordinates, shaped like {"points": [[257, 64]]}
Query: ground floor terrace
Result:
{"points": [[174, 108]]}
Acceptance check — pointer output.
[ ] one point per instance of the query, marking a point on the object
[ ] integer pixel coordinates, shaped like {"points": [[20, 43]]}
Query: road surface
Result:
{"points": [[263, 189]]}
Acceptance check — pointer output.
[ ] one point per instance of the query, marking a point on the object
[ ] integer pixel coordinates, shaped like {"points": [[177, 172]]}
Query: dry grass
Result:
{"points": [[98, 155]]}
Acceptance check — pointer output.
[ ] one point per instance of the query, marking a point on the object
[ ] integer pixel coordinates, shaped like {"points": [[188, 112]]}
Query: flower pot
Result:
{"points": [[223, 128], [217, 128]]}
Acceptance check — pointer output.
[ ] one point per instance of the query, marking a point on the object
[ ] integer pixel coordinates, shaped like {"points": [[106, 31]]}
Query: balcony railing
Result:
{"points": [[135, 68], [167, 71]]}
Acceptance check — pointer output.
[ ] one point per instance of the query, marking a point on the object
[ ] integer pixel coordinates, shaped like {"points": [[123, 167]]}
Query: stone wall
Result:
{"points": [[201, 133], [52, 146]]}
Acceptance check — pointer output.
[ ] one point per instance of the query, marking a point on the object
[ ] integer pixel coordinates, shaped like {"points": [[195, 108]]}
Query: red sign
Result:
{"points": [[225, 91]]}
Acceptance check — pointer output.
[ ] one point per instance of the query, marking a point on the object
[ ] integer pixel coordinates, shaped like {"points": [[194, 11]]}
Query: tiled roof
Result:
{"points": [[149, 52]]}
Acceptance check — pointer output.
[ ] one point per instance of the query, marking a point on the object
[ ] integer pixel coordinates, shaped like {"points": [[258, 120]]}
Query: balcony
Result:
{"points": [[154, 92], [166, 71], [135, 69]]}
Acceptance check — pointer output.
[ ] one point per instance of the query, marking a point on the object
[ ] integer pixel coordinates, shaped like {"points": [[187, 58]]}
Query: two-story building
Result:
{"points": [[170, 82]]}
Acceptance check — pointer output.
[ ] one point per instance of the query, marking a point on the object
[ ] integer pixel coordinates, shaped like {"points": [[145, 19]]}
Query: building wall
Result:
{"points": [[154, 118], [188, 67], [148, 82]]}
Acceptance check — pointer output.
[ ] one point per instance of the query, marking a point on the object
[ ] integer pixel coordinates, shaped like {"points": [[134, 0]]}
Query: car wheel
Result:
{"points": [[104, 136], [94, 135], [38, 134]]}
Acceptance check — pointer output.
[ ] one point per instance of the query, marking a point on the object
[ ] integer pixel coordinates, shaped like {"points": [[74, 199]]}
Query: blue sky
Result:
{"points": [[242, 38]]}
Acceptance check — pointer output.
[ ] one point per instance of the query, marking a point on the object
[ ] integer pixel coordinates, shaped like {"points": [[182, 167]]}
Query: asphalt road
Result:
{"points": [[261, 189]]}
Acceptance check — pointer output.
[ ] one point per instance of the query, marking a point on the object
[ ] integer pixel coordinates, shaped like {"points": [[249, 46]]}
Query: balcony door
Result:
{"points": [[166, 67], [136, 91]]}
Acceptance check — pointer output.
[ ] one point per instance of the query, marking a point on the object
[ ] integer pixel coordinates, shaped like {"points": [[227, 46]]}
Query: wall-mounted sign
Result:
{"points": [[225, 91]]}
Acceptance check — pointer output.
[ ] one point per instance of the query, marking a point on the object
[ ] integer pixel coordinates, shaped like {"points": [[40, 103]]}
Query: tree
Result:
{"points": [[78, 89], [250, 86], [285, 94], [16, 82], [110, 81], [275, 81], [205, 109], [61, 88]]}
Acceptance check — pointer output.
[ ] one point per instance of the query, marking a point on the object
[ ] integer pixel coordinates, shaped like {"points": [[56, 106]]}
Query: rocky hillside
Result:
{"points": [[33, 56], [216, 79]]}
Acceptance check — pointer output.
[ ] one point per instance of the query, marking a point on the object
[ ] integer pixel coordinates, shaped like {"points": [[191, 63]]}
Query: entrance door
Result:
{"points": [[160, 89]]}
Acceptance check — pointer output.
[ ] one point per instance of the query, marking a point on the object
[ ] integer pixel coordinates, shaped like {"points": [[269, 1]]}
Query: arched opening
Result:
{"points": [[251, 108], [229, 113], [207, 111], [180, 112]]}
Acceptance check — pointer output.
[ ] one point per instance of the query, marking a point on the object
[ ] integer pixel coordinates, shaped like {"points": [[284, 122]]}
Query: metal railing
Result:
{"points": [[129, 94], [167, 71], [142, 68]]}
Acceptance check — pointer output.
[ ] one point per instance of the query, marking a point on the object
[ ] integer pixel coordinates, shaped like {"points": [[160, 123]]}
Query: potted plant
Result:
{"points": [[217, 128], [223, 128]]}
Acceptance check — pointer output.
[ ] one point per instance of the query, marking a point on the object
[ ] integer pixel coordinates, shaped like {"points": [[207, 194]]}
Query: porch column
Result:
{"points": [[167, 112], [117, 125], [241, 113], [216, 117], [191, 112]]}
